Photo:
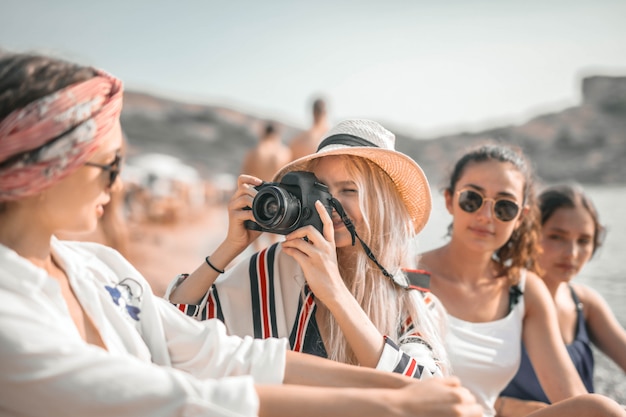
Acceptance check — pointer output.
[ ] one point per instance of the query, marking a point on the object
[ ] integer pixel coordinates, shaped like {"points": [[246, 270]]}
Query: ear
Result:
{"points": [[447, 195]]}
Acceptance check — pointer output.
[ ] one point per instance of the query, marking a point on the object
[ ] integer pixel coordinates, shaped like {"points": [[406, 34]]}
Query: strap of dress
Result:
{"points": [[581, 330], [579, 304], [516, 291]]}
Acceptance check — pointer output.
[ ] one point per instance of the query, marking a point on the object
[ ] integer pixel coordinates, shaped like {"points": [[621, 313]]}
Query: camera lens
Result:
{"points": [[270, 208], [275, 208]]}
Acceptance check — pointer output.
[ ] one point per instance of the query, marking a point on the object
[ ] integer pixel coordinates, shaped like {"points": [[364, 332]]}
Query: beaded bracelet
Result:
{"points": [[213, 267]]}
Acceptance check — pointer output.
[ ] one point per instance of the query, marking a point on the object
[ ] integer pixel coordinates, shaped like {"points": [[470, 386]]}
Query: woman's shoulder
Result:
{"points": [[536, 295], [429, 260], [532, 282], [94, 256], [268, 261], [86, 248], [589, 297]]}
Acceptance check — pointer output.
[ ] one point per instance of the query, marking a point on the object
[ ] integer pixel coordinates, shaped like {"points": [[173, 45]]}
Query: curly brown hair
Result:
{"points": [[523, 247]]}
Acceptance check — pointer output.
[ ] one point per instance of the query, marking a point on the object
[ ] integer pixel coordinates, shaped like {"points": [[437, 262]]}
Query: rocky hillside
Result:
{"points": [[586, 143], [212, 139]]}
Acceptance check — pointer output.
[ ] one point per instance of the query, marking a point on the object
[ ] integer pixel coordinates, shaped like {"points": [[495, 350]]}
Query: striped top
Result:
{"points": [[267, 296]]}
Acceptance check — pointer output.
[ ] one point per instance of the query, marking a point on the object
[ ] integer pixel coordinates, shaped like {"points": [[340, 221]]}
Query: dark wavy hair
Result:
{"points": [[25, 78], [523, 247], [571, 196]]}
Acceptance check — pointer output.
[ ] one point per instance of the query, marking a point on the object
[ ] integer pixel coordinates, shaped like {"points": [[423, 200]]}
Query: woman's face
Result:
{"points": [[331, 171], [77, 202], [481, 229], [567, 243]]}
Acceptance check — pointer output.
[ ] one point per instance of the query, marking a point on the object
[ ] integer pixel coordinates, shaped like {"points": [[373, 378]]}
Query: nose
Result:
{"points": [[571, 249], [118, 185], [486, 210]]}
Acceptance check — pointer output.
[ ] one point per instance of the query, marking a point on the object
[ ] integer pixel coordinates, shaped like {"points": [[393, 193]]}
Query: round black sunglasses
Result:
{"points": [[503, 208], [113, 169]]}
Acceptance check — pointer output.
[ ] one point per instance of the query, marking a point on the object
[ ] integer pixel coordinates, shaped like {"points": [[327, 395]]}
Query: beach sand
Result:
{"points": [[161, 251]]}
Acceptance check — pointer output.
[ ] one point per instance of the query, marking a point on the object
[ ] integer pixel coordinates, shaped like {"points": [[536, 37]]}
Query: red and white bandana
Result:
{"points": [[50, 138]]}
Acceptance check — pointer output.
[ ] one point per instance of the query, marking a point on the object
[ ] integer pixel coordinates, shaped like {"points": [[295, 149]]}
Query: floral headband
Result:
{"points": [[47, 140]]}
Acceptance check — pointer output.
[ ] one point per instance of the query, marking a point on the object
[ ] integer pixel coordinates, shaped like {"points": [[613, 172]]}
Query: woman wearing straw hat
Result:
{"points": [[326, 293], [81, 332]]}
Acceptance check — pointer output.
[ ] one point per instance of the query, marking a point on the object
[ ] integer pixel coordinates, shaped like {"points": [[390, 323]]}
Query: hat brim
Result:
{"points": [[405, 173]]}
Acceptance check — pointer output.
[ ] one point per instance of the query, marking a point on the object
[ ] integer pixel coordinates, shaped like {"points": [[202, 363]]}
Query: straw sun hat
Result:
{"points": [[370, 140]]}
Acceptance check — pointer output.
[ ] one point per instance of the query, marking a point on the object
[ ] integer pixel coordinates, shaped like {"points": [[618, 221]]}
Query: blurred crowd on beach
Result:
{"points": [[167, 210]]}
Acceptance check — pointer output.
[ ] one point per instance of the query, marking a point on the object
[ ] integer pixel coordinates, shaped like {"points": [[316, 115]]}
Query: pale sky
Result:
{"points": [[426, 67]]}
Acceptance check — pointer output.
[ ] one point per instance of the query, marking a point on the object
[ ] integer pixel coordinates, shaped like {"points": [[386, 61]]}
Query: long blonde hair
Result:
{"points": [[388, 231]]}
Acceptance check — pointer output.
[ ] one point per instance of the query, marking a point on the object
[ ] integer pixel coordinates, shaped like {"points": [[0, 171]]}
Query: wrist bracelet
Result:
{"points": [[213, 267]]}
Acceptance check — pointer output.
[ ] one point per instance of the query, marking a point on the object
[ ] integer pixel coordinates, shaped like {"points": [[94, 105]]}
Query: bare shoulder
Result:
{"points": [[429, 260], [285, 153], [588, 296], [535, 291], [303, 144], [534, 284]]}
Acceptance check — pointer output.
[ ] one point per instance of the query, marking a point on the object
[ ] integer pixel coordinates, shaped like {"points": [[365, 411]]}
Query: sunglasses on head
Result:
{"points": [[113, 169], [503, 208]]}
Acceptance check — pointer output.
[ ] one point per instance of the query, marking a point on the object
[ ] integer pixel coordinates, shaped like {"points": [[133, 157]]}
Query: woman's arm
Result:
{"points": [[542, 338], [305, 369], [379, 393], [604, 329], [432, 398], [192, 289], [514, 407], [317, 256]]}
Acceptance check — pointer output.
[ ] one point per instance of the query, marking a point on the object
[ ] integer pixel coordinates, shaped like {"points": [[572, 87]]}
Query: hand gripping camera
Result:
{"points": [[288, 205], [283, 207]]}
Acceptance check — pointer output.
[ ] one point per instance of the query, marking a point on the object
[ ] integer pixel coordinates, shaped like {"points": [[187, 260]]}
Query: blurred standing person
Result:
{"points": [[306, 143], [571, 234], [263, 162], [270, 154]]}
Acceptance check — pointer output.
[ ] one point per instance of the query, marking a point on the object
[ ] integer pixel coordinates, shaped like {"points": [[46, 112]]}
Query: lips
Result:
{"points": [[481, 231], [337, 224], [567, 267]]}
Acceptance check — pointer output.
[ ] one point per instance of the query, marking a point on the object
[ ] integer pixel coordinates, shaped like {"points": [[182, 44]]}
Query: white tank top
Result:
{"points": [[485, 356]]}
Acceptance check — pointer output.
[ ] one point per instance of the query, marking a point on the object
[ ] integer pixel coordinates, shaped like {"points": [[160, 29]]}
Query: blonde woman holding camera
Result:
{"points": [[339, 292]]}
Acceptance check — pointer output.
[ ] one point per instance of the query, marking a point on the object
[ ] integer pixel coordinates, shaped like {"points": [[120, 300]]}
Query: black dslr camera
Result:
{"points": [[283, 207]]}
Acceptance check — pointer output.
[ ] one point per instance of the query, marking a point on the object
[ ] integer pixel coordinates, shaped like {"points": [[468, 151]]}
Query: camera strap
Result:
{"points": [[348, 223]]}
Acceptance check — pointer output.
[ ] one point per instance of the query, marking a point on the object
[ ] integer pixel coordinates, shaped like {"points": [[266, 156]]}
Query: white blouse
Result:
{"points": [[157, 362]]}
